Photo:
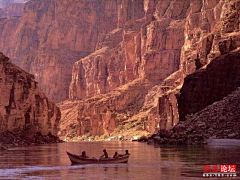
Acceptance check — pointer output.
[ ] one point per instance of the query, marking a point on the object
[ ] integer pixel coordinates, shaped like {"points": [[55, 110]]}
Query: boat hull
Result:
{"points": [[75, 159]]}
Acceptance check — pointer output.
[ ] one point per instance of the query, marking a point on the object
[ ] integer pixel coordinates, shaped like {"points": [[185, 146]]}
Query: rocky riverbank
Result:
{"points": [[218, 121], [10, 139]]}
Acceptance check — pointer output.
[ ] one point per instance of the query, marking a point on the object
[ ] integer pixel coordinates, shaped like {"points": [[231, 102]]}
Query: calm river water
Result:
{"points": [[146, 162]]}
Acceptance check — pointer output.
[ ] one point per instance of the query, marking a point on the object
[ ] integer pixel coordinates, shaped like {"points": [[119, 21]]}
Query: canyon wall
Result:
{"points": [[52, 35], [132, 53], [142, 48], [127, 66], [220, 77], [209, 85], [168, 44], [24, 109]]}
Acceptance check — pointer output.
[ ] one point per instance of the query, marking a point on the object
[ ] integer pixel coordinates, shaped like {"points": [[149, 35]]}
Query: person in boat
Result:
{"points": [[84, 155], [115, 155], [126, 152], [105, 154]]}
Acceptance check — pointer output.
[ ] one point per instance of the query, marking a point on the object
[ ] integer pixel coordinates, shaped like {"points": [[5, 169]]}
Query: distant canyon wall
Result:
{"points": [[52, 35]]}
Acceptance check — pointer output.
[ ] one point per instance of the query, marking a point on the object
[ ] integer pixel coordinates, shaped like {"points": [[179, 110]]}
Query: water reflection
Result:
{"points": [[146, 162]]}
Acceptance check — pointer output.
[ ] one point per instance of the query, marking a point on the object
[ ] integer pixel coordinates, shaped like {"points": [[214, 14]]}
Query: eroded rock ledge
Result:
{"points": [[25, 112], [208, 116], [219, 121]]}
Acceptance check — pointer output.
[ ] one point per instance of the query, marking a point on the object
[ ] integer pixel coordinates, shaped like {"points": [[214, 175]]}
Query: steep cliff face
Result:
{"points": [[220, 76], [132, 51], [106, 115], [52, 35], [24, 109], [200, 23], [8, 39], [135, 63], [211, 31], [206, 86], [139, 47], [165, 45], [219, 120]]}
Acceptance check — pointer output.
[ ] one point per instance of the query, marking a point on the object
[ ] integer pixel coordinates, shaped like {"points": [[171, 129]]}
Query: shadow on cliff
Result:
{"points": [[209, 84]]}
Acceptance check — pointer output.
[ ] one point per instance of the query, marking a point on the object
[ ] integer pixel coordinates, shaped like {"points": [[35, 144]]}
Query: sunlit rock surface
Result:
{"points": [[170, 41]]}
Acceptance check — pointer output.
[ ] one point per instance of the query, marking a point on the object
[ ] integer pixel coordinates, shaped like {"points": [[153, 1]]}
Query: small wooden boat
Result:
{"points": [[76, 159]]}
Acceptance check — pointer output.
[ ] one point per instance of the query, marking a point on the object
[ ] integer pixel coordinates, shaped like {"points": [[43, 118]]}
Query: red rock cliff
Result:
{"points": [[170, 36], [134, 61], [52, 35], [24, 109], [140, 57]]}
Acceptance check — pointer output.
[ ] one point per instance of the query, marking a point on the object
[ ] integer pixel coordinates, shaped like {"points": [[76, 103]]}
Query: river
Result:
{"points": [[146, 162]]}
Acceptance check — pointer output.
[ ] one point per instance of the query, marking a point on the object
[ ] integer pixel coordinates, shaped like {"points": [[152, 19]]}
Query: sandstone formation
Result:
{"points": [[138, 51], [209, 84], [139, 54], [168, 42], [107, 114], [24, 109], [219, 120], [52, 35]]}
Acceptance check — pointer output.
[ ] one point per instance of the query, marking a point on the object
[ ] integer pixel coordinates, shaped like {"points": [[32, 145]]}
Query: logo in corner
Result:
{"points": [[219, 171]]}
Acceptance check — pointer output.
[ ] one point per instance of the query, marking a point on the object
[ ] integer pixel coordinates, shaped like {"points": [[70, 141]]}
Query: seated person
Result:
{"points": [[126, 152], [84, 155], [115, 155], [105, 154]]}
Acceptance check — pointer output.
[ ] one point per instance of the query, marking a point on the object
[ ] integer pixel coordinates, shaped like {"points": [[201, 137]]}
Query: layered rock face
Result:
{"points": [[24, 109], [220, 76], [206, 86], [219, 120], [130, 52], [106, 115], [138, 65], [214, 55], [211, 31], [170, 36], [52, 35], [134, 50]]}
